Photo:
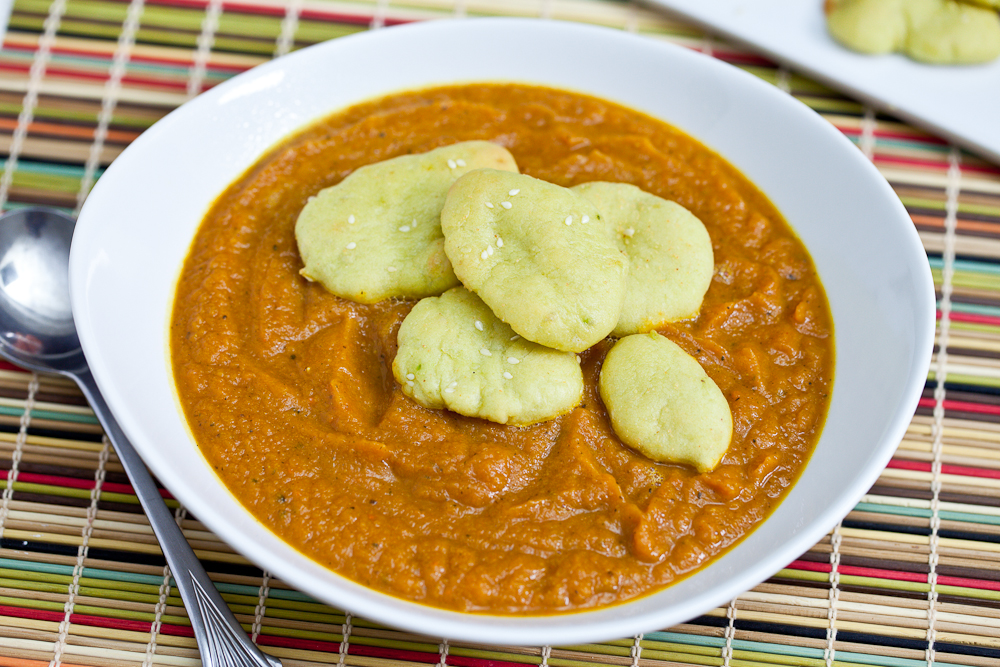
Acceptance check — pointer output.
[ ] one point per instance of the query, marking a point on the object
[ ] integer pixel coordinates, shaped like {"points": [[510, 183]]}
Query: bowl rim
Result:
{"points": [[523, 630]]}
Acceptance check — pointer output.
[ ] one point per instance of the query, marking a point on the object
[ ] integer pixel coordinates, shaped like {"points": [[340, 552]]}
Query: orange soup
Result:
{"points": [[289, 392]]}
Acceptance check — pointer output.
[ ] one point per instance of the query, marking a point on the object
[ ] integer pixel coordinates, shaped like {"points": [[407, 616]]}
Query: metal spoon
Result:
{"points": [[37, 332]]}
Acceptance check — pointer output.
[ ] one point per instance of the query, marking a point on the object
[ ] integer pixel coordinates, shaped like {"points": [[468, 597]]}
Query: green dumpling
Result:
{"points": [[377, 234], [663, 404], [538, 254], [669, 250], [869, 26], [455, 353], [955, 33]]}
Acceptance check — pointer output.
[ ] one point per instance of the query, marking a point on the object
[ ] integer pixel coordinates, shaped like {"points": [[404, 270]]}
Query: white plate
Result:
{"points": [[137, 225], [956, 103]]}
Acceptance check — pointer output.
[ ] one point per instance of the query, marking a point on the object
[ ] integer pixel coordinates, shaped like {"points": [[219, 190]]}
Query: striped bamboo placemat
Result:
{"points": [[910, 577]]}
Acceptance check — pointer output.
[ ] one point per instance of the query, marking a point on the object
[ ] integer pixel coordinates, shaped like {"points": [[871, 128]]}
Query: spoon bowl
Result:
{"points": [[36, 320], [37, 332]]}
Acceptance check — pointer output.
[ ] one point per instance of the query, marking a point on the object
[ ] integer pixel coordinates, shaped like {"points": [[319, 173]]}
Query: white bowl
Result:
{"points": [[137, 225]]}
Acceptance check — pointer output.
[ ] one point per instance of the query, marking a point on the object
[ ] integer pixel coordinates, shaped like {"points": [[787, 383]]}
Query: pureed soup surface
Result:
{"points": [[289, 391]]}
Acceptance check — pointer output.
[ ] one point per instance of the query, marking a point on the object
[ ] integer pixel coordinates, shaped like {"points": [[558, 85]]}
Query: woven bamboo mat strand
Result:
{"points": [[910, 577]]}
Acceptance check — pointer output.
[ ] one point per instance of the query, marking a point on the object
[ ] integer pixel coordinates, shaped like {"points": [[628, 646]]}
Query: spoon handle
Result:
{"points": [[221, 639]]}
